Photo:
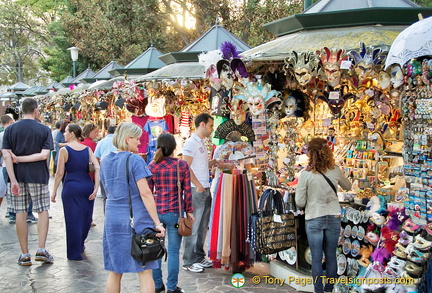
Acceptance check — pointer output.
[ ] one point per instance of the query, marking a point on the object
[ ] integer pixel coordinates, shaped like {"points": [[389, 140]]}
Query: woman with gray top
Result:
{"points": [[316, 191]]}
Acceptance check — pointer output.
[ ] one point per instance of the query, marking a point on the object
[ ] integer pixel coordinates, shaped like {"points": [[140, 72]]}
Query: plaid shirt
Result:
{"points": [[163, 184]]}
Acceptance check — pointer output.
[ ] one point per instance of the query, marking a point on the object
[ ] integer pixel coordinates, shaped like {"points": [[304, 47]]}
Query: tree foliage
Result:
{"points": [[22, 37], [33, 31]]}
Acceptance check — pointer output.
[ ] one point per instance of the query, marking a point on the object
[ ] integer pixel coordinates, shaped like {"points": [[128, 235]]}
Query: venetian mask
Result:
{"points": [[213, 78], [303, 76], [225, 74], [396, 75], [255, 95], [384, 80], [209, 61], [290, 106], [365, 60], [302, 65], [256, 105], [333, 74], [156, 107], [238, 116], [331, 60], [363, 70], [238, 111]]}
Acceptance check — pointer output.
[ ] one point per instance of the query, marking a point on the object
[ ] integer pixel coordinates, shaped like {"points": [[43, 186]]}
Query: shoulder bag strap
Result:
{"points": [[329, 182], [129, 195], [179, 188]]}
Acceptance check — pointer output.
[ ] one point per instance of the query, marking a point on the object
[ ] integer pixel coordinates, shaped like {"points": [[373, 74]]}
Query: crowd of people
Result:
{"points": [[28, 147], [158, 194]]}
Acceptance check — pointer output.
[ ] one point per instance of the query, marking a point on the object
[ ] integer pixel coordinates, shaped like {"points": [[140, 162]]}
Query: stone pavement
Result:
{"points": [[88, 275]]}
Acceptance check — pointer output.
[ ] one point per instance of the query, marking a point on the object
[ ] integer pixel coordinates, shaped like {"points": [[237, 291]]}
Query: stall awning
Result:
{"points": [[312, 40], [189, 70]]}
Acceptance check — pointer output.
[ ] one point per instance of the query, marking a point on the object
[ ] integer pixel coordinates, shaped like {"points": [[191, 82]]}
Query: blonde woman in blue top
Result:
{"points": [[117, 230]]}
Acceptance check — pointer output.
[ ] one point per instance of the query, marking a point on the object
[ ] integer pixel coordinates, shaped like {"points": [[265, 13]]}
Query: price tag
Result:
{"points": [[346, 64], [277, 218], [334, 95]]}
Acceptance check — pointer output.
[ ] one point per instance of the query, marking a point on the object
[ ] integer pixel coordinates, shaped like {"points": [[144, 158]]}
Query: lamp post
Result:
{"points": [[74, 57]]}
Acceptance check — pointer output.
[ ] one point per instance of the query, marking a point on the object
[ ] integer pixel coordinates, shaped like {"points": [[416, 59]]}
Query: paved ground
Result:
{"points": [[88, 275]]}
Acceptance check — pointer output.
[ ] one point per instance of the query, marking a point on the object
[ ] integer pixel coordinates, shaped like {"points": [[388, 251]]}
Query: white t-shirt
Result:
{"points": [[195, 147]]}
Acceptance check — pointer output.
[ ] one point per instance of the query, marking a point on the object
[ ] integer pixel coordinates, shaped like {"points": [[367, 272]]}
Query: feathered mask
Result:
{"points": [[255, 95], [231, 57], [209, 61]]}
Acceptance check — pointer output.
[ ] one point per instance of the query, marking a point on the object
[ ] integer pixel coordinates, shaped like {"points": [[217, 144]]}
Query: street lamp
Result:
{"points": [[74, 57]]}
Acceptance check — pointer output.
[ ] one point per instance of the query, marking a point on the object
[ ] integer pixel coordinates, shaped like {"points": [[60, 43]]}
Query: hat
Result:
{"points": [[101, 105], [120, 102]]}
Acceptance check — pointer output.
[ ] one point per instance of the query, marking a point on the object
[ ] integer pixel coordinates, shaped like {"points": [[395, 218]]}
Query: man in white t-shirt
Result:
{"points": [[196, 155]]}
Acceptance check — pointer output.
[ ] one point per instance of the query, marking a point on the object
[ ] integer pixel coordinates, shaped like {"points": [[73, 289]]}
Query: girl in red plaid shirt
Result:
{"points": [[163, 183]]}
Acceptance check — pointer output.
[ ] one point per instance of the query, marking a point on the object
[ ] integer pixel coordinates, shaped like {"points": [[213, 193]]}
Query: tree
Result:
{"points": [[247, 20], [112, 30], [21, 38], [423, 3]]}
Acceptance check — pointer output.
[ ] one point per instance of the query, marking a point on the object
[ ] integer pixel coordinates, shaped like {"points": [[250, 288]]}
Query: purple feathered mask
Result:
{"points": [[396, 218]]}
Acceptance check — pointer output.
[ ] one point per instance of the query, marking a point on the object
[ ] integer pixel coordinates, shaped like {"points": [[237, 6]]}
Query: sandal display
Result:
{"points": [[354, 231], [342, 264], [360, 233]]}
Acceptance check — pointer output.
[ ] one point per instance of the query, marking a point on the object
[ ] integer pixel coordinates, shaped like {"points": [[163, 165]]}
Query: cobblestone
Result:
{"points": [[88, 275]]}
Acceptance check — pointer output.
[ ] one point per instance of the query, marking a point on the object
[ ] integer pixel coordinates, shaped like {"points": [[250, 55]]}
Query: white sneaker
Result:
{"points": [[205, 263], [194, 268]]}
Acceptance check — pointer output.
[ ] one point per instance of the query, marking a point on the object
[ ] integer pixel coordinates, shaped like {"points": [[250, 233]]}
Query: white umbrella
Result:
{"points": [[105, 84], [413, 42]]}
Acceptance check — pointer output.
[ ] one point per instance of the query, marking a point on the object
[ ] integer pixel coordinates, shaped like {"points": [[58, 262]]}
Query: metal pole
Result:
{"points": [[74, 69]]}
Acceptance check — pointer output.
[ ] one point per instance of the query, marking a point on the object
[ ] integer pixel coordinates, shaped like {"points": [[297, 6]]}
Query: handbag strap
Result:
{"points": [[179, 188], [129, 194], [271, 200], [329, 182]]}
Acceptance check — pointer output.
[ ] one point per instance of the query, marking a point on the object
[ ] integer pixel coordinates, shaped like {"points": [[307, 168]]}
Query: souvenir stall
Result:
{"points": [[346, 97], [367, 113]]}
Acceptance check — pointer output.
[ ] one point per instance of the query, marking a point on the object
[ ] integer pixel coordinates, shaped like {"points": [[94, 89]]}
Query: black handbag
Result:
{"points": [[145, 246], [271, 229]]}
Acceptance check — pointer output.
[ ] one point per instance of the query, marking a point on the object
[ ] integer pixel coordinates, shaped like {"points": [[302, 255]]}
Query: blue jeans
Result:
{"points": [[323, 233], [194, 244], [174, 241]]}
